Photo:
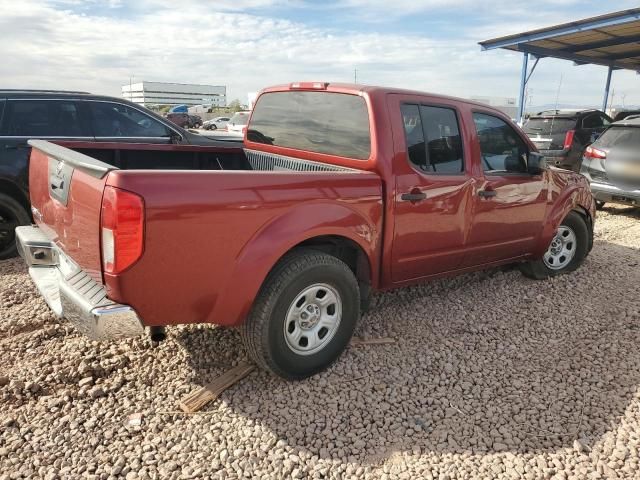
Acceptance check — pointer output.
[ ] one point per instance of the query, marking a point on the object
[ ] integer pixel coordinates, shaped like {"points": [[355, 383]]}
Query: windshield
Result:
{"points": [[322, 122], [549, 126]]}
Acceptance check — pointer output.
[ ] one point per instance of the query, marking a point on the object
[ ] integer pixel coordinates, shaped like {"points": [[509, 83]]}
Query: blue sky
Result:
{"points": [[249, 44]]}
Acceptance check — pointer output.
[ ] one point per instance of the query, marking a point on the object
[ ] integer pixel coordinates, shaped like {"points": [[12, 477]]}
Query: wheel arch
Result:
{"points": [[342, 231], [577, 199]]}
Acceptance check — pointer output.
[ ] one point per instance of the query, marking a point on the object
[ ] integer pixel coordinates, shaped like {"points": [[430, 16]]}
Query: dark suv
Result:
{"points": [[562, 135], [66, 116]]}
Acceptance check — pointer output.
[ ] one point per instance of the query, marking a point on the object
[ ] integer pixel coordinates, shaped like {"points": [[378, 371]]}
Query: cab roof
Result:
{"points": [[372, 90]]}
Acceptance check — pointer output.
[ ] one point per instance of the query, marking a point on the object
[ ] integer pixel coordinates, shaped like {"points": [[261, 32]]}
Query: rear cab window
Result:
{"points": [[320, 122]]}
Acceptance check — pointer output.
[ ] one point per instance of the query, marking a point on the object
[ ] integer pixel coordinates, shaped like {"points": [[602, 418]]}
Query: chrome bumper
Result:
{"points": [[71, 293]]}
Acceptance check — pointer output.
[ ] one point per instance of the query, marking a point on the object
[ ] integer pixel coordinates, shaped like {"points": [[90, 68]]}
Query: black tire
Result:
{"points": [[213, 127], [263, 332], [12, 215], [599, 204], [538, 269]]}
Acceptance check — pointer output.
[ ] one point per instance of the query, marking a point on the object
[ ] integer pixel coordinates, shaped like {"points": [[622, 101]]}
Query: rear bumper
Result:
{"points": [[71, 293], [610, 193]]}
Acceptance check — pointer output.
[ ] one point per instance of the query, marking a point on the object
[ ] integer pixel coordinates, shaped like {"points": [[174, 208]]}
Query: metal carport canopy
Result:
{"points": [[611, 40]]}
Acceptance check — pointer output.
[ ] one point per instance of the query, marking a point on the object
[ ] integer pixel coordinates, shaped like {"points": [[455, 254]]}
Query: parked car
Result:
{"points": [[341, 190], [218, 123], [562, 135], [238, 122], [71, 116], [612, 164], [625, 114], [195, 121], [180, 119]]}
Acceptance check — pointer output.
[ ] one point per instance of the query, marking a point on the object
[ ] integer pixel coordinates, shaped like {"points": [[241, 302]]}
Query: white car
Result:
{"points": [[238, 122], [216, 123]]}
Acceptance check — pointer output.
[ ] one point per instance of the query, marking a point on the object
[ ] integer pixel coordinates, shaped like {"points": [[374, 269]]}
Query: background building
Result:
{"points": [[159, 93], [506, 105]]}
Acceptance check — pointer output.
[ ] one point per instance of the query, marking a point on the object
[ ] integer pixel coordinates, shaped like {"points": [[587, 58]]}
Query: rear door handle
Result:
{"points": [[487, 193], [413, 196]]}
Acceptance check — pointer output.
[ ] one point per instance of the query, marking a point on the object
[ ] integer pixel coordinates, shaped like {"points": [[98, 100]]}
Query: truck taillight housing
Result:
{"points": [[121, 229], [568, 139]]}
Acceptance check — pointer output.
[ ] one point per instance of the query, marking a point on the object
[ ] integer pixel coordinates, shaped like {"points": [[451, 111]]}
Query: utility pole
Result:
{"points": [[355, 74]]}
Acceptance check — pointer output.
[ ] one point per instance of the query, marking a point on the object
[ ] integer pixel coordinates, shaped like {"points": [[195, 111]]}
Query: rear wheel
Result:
{"points": [[12, 215], [599, 204], [304, 316], [567, 251]]}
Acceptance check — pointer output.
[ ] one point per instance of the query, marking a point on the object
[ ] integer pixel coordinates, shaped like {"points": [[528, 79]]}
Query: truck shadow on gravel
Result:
{"points": [[486, 362]]}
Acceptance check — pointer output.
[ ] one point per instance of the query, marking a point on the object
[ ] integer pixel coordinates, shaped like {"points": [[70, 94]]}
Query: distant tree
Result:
{"points": [[235, 106]]}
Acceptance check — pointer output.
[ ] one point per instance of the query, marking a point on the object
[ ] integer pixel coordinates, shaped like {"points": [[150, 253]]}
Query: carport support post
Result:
{"points": [[606, 90], [523, 84]]}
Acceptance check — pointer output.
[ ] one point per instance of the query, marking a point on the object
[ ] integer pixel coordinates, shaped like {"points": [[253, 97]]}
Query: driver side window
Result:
{"points": [[501, 148], [117, 120]]}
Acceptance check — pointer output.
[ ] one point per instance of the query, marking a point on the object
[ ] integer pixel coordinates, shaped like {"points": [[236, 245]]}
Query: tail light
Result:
{"points": [[122, 229], [244, 130], [591, 152], [568, 139]]}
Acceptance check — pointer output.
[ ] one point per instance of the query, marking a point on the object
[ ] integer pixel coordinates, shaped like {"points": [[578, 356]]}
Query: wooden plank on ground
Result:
{"points": [[356, 341], [198, 399]]}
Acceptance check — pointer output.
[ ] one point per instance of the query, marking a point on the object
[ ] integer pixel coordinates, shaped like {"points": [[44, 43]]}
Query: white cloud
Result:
{"points": [[50, 46]]}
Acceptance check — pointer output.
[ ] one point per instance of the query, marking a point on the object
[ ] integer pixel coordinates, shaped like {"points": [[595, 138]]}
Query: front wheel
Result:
{"points": [[304, 315], [567, 251]]}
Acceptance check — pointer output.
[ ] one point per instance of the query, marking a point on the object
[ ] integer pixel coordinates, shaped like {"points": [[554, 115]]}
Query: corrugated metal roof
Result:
{"points": [[611, 40]]}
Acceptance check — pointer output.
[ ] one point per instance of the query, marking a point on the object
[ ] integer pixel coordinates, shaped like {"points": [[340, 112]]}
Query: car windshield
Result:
{"points": [[549, 125]]}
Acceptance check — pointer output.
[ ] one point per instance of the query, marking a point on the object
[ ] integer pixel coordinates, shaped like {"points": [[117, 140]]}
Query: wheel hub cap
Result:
{"points": [[313, 319], [562, 249]]}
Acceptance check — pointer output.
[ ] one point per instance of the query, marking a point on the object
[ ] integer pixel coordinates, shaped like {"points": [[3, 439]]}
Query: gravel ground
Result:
{"points": [[492, 376]]}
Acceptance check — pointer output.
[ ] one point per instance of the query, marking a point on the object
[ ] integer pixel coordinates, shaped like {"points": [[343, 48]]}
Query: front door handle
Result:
{"points": [[487, 193], [414, 196]]}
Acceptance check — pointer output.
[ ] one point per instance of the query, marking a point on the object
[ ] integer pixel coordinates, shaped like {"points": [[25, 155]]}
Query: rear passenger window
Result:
{"points": [[433, 139], [501, 148], [593, 121], [43, 118]]}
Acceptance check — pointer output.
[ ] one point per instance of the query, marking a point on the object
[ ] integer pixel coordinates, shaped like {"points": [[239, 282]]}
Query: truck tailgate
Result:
{"points": [[66, 197]]}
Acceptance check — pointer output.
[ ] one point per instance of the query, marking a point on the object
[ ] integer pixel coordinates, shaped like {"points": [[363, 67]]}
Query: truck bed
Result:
{"points": [[212, 227]]}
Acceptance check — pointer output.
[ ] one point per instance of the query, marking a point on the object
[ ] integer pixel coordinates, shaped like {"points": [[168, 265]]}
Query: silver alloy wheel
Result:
{"points": [[313, 319], [562, 249]]}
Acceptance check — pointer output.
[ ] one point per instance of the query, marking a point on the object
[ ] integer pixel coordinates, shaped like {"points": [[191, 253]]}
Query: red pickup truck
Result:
{"points": [[340, 190]]}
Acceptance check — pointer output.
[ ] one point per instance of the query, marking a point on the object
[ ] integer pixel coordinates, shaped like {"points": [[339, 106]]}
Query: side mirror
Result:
{"points": [[536, 163]]}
